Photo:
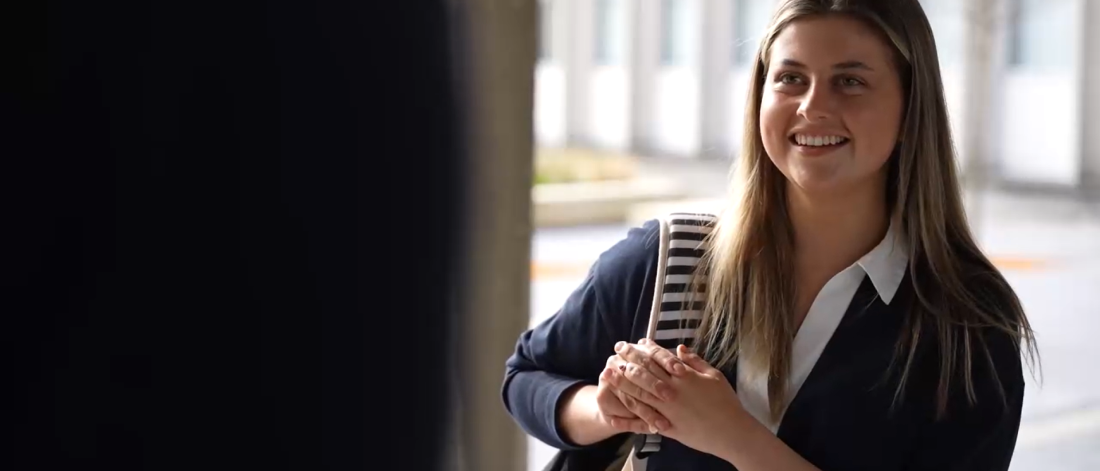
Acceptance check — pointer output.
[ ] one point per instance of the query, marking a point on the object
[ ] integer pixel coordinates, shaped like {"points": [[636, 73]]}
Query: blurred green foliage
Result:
{"points": [[571, 165]]}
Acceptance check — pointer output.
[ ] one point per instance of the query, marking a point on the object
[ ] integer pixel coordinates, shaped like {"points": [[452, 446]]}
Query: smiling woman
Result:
{"points": [[850, 320]]}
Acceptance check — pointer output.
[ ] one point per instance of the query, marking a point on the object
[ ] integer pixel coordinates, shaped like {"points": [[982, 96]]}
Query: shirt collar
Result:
{"points": [[887, 262]]}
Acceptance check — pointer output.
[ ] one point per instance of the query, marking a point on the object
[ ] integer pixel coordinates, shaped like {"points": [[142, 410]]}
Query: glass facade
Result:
{"points": [[750, 19], [948, 20], [611, 33], [676, 38], [1041, 34]]}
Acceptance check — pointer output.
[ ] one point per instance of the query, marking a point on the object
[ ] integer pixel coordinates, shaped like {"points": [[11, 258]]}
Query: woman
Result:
{"points": [[851, 320]]}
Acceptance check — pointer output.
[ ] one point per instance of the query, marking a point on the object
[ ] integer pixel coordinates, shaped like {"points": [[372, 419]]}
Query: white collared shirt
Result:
{"points": [[885, 265]]}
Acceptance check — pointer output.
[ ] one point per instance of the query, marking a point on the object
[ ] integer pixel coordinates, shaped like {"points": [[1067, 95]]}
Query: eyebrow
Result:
{"points": [[847, 65]]}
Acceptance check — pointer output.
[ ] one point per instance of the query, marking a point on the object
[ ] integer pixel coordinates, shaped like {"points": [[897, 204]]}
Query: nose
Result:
{"points": [[817, 103]]}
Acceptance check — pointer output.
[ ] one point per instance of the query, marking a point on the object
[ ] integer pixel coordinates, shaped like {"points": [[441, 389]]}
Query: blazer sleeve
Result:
{"points": [[979, 436], [572, 346]]}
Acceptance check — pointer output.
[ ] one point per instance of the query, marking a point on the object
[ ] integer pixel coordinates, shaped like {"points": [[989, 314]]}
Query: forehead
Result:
{"points": [[826, 40]]}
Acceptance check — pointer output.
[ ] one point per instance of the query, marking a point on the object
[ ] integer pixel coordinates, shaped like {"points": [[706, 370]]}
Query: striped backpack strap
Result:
{"points": [[679, 297]]}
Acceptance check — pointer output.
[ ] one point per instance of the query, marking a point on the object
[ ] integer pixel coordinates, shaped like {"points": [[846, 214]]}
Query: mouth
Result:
{"points": [[816, 142]]}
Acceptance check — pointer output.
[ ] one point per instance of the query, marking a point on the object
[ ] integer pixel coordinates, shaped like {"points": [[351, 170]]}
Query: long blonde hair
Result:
{"points": [[750, 290]]}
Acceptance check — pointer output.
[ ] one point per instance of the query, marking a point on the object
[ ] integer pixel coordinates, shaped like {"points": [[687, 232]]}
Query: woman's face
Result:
{"points": [[831, 106]]}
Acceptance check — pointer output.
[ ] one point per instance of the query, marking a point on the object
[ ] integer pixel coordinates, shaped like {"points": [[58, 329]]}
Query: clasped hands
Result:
{"points": [[645, 388]]}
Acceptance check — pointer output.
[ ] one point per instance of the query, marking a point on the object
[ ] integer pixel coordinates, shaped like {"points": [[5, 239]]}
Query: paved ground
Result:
{"points": [[1048, 247]]}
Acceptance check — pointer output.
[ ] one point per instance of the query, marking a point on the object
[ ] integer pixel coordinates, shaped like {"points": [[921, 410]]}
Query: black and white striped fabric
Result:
{"points": [[679, 297]]}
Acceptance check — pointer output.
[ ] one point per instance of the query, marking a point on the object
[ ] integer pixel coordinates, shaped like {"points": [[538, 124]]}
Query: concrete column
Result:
{"points": [[1090, 149], [999, 64], [562, 26], [983, 23], [497, 57], [644, 57], [578, 60], [985, 19], [715, 64]]}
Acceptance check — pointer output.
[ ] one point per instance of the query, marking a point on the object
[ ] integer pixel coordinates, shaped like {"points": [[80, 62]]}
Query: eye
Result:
{"points": [[851, 82], [789, 79]]}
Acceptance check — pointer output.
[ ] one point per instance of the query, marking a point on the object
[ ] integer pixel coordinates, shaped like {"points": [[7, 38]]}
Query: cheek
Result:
{"points": [[773, 125], [876, 131], [876, 128]]}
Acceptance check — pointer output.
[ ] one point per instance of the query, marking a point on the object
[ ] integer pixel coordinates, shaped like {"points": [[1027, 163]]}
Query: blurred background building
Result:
{"points": [[668, 78]]}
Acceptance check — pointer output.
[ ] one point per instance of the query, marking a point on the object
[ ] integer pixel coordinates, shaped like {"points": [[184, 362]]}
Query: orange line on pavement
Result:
{"points": [[559, 270], [547, 271], [1019, 263]]}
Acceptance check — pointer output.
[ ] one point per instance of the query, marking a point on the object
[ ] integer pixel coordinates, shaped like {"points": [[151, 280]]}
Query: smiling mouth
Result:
{"points": [[824, 142]]}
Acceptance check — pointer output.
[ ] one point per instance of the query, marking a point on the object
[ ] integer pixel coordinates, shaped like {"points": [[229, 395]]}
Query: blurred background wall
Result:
{"points": [[668, 77]]}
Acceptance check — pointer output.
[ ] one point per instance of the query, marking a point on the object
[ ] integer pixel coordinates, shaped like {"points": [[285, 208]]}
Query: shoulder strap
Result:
{"points": [[677, 305], [677, 302]]}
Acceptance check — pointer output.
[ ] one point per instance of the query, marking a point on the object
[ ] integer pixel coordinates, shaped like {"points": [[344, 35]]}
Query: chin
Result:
{"points": [[817, 182], [816, 187]]}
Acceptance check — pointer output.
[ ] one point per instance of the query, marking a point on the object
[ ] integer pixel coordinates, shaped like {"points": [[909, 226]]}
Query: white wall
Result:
{"points": [[954, 87], [609, 98], [677, 107], [1041, 123], [1041, 129], [550, 99]]}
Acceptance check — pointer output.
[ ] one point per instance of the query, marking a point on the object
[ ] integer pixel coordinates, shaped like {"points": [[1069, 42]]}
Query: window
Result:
{"points": [[750, 21], [948, 20], [610, 32], [1041, 34], [676, 28]]}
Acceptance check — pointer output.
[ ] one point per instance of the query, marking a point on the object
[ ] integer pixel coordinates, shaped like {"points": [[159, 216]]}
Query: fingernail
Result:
{"points": [[619, 346], [643, 342], [622, 367]]}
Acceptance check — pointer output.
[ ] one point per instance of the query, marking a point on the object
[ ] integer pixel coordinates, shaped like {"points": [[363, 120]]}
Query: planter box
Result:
{"points": [[600, 202], [643, 212]]}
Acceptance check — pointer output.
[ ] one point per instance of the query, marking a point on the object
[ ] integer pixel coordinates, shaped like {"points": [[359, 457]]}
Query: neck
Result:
{"points": [[831, 232]]}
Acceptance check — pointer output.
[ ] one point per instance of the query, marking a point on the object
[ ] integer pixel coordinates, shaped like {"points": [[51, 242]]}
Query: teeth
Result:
{"points": [[805, 140]]}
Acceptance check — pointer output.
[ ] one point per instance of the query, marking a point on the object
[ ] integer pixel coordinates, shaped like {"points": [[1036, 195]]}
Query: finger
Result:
{"points": [[630, 425], [608, 398], [614, 361], [655, 422], [693, 360], [668, 360], [633, 353], [622, 383], [647, 382]]}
